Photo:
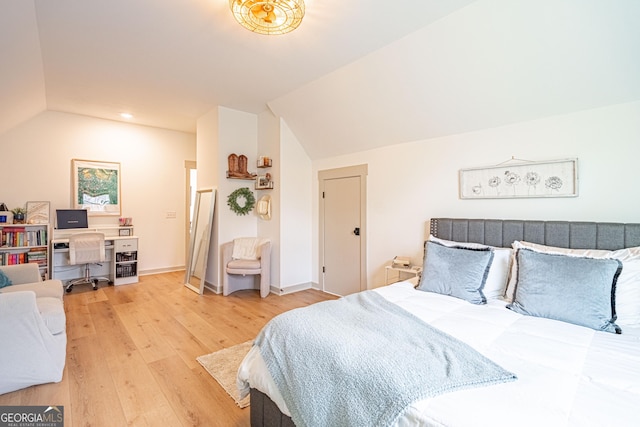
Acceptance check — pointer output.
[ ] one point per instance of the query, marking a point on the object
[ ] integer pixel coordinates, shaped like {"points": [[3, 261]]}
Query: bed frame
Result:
{"points": [[499, 233]]}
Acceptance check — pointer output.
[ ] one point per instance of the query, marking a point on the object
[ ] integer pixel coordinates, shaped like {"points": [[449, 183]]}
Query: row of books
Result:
{"points": [[37, 256], [126, 270], [126, 256], [13, 237]]}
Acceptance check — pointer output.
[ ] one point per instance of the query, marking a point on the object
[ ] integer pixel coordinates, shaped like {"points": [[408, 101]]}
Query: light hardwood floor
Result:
{"points": [[131, 353]]}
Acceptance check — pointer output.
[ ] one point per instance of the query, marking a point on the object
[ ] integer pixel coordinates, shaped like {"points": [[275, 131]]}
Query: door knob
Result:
{"points": [[356, 231]]}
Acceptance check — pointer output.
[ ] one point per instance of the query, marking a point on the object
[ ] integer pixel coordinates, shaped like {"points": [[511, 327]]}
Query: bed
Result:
{"points": [[573, 350]]}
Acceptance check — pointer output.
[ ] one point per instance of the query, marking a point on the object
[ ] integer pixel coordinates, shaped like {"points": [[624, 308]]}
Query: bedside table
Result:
{"points": [[399, 272]]}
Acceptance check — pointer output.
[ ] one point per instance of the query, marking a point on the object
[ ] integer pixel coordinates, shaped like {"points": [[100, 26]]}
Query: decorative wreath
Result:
{"points": [[245, 193]]}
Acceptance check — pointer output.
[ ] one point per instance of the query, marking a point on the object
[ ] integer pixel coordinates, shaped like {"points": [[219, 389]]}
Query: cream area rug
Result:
{"points": [[223, 366]]}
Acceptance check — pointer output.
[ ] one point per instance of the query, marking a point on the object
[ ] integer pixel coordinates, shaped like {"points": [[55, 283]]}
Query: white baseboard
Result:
{"points": [[291, 289], [160, 270]]}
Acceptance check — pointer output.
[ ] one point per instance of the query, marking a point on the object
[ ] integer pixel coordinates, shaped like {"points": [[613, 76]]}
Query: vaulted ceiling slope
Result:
{"points": [[356, 75], [168, 62]]}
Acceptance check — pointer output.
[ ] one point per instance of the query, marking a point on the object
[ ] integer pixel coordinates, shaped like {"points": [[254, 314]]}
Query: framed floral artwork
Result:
{"points": [[96, 187], [555, 178]]}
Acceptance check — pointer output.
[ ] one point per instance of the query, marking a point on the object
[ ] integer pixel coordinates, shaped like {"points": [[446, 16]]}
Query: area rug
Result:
{"points": [[223, 367]]}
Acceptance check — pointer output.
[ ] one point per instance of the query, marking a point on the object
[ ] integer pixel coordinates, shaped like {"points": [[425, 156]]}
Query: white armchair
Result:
{"points": [[244, 257], [32, 329]]}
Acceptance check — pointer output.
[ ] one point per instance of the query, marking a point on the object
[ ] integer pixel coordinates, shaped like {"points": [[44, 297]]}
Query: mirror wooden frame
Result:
{"points": [[200, 238]]}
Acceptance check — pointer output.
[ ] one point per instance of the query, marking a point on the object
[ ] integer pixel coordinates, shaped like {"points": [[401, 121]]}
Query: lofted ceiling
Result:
{"points": [[356, 75]]}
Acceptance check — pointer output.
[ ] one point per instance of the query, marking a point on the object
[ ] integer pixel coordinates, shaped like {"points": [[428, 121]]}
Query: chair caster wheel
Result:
{"points": [[68, 290]]}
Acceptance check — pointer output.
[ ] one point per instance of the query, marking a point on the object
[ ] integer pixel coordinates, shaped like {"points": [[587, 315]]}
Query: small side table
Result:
{"points": [[401, 271]]}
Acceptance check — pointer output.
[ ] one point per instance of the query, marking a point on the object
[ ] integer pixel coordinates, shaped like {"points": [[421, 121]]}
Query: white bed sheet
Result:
{"points": [[568, 375]]}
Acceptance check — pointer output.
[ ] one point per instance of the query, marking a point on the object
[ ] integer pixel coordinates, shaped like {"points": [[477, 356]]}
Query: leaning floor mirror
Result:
{"points": [[200, 236]]}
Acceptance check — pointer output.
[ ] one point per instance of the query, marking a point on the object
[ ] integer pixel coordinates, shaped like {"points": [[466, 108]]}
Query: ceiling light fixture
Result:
{"points": [[126, 115], [268, 16]]}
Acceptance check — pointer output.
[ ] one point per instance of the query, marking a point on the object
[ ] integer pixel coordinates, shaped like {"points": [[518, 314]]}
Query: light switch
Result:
{"points": [[171, 215]]}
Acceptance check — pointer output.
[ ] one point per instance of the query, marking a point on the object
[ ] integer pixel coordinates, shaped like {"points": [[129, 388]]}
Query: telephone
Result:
{"points": [[401, 261]]}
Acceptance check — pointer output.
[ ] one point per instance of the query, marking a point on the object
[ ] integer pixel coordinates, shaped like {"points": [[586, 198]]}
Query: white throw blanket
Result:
{"points": [[246, 247], [367, 374]]}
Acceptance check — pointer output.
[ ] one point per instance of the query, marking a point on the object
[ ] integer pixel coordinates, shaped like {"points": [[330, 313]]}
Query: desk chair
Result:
{"points": [[242, 257], [86, 249]]}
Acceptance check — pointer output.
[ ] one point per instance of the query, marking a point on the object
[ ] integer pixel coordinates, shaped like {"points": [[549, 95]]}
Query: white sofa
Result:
{"points": [[32, 329]]}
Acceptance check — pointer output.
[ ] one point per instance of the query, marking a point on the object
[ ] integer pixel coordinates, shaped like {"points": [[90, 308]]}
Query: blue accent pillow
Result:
{"points": [[456, 271], [4, 280], [572, 289]]}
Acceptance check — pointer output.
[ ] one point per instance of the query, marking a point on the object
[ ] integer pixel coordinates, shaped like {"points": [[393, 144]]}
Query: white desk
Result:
{"points": [[121, 263]]}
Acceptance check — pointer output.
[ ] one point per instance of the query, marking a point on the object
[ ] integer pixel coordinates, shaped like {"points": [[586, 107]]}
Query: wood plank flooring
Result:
{"points": [[131, 353]]}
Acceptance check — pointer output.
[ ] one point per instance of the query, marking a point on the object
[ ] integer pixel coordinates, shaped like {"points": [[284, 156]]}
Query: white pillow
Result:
{"points": [[246, 248], [628, 285], [496, 283]]}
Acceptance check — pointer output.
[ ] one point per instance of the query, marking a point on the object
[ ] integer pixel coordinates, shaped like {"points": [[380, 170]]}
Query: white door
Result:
{"points": [[342, 234]]}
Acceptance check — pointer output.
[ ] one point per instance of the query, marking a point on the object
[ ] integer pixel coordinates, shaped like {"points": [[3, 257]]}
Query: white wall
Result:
{"points": [[296, 214], [207, 166], [269, 145], [238, 133], [412, 182], [36, 165]]}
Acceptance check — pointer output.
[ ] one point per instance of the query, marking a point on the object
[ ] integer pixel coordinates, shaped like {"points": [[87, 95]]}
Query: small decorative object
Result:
{"points": [[268, 16], [18, 215], [555, 178], [124, 232], [264, 182], [238, 195], [6, 217], [125, 221], [238, 167], [263, 208], [38, 212], [264, 162]]}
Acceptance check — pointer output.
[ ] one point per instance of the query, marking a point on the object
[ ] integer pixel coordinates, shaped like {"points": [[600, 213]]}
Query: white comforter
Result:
{"points": [[567, 375]]}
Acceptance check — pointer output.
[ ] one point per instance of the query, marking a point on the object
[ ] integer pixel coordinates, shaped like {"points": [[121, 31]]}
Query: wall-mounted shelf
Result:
{"points": [[264, 162], [238, 167], [267, 186], [246, 178]]}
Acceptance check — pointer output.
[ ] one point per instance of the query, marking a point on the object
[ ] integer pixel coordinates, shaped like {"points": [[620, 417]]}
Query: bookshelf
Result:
{"points": [[126, 262], [24, 243]]}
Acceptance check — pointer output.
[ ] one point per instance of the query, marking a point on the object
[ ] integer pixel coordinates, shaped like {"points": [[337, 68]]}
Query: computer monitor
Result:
{"points": [[71, 218]]}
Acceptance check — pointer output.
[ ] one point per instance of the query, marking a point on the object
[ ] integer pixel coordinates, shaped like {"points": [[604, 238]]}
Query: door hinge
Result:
{"points": [[323, 194], [323, 268]]}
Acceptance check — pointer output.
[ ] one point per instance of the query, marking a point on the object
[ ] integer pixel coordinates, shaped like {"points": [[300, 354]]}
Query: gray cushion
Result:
{"points": [[455, 271], [576, 290]]}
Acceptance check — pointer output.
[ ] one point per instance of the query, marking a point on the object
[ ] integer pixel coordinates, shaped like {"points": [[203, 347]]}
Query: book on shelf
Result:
{"points": [[15, 237]]}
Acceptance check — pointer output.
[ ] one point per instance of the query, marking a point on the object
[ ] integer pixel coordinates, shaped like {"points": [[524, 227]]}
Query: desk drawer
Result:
{"points": [[126, 245]]}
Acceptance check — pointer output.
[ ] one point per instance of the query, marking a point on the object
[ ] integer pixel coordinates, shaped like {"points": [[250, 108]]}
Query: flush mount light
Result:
{"points": [[126, 115], [268, 16]]}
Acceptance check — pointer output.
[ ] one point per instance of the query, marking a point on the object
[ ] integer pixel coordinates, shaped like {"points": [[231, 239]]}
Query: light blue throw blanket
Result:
{"points": [[362, 360]]}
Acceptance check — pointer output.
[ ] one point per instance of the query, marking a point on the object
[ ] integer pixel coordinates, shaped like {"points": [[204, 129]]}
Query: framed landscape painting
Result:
{"points": [[96, 187]]}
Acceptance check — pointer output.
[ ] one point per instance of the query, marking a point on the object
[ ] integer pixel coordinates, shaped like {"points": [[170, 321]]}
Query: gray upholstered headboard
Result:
{"points": [[564, 234]]}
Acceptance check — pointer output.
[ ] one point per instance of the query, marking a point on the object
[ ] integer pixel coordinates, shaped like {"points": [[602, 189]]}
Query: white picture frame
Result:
{"points": [[38, 212], [554, 178], [95, 187]]}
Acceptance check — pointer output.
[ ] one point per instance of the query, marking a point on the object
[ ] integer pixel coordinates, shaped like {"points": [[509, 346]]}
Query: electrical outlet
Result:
{"points": [[171, 215]]}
